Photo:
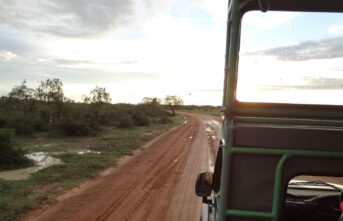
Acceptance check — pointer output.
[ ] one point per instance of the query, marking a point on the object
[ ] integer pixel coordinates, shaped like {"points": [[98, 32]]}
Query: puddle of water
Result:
{"points": [[88, 151], [213, 123], [20, 174], [41, 160]]}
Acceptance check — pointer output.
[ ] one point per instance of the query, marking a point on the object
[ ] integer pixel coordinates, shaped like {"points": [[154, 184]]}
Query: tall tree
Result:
{"points": [[99, 99], [25, 95], [21, 92], [151, 101], [173, 102], [51, 92], [98, 95]]}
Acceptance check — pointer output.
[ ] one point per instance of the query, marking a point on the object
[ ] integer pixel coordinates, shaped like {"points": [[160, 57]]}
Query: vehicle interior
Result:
{"points": [[283, 113]]}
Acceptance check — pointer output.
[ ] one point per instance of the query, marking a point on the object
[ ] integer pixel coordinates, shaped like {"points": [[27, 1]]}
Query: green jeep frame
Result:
{"points": [[265, 145]]}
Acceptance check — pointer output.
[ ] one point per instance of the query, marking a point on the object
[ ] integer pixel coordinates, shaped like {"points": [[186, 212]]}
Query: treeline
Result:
{"points": [[45, 108]]}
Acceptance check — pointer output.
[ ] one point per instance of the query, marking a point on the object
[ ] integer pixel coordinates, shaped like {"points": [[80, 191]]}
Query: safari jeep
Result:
{"points": [[281, 150]]}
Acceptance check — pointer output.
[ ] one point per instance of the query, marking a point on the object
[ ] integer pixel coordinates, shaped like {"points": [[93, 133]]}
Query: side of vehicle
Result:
{"points": [[265, 145]]}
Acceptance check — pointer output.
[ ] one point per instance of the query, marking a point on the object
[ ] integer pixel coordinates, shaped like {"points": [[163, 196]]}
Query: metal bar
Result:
{"points": [[226, 64], [289, 121], [246, 213], [232, 56], [315, 112], [277, 187], [305, 153]]}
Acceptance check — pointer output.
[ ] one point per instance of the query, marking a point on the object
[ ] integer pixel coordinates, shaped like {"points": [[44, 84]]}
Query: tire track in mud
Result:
{"points": [[163, 175]]}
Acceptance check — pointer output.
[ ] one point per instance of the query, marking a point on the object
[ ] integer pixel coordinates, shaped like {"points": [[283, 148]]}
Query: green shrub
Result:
{"points": [[140, 119], [76, 128], [2, 121], [164, 120], [23, 126], [11, 157], [125, 122], [40, 125], [21, 122]]}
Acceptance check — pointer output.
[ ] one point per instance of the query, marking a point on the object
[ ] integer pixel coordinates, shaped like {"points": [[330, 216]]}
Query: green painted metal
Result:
{"points": [[313, 112], [232, 56], [304, 153], [246, 213], [277, 187], [286, 154], [310, 115], [288, 121]]}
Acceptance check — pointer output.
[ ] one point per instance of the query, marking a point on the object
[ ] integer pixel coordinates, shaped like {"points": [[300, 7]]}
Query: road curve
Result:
{"points": [[156, 184]]}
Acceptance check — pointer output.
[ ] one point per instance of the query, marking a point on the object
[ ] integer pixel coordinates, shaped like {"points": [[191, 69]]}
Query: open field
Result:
{"points": [[83, 158]]}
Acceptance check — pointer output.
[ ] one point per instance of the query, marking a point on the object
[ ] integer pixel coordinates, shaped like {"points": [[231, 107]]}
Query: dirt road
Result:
{"points": [[155, 184]]}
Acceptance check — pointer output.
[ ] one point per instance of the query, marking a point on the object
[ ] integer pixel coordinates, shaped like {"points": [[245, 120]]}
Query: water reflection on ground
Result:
{"points": [[41, 161]]}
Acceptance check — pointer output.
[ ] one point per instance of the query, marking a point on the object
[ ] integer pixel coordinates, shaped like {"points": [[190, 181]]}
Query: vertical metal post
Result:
{"points": [[232, 57], [277, 187]]}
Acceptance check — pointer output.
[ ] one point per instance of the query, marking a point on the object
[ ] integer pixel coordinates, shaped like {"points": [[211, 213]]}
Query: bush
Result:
{"points": [[22, 123], [40, 125], [140, 119], [125, 122], [11, 157], [2, 121], [23, 126], [76, 128], [164, 120]]}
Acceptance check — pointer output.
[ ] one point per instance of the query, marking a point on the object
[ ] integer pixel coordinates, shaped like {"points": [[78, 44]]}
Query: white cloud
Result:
{"points": [[174, 42], [7, 55], [75, 18], [268, 20], [335, 30]]}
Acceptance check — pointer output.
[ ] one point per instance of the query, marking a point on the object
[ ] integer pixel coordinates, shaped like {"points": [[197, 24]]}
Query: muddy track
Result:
{"points": [[155, 184]]}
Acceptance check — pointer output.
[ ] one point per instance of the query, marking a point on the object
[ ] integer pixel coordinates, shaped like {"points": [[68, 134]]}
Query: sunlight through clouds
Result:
{"points": [[144, 47], [336, 30], [7, 55], [270, 20]]}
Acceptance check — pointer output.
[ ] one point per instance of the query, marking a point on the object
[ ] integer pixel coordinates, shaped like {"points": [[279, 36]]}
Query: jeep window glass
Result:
{"points": [[291, 57]]}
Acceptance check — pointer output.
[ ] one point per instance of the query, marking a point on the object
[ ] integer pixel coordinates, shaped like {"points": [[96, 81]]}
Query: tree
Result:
{"points": [[173, 102], [25, 95], [99, 99], [151, 101], [21, 92], [51, 92], [98, 95]]}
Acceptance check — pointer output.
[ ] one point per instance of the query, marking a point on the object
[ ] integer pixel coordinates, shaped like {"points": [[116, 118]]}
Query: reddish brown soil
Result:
{"points": [[155, 184]]}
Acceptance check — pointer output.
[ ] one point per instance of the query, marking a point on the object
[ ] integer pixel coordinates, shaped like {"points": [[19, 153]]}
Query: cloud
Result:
{"points": [[310, 83], [77, 62], [84, 18], [66, 18], [7, 55], [323, 49], [268, 20], [335, 30]]}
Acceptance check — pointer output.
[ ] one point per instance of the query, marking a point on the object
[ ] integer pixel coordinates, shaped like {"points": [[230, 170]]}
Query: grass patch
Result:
{"points": [[210, 111], [16, 197]]}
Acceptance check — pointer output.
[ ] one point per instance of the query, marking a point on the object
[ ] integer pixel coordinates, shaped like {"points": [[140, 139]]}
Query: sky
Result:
{"points": [[289, 57], [133, 48], [147, 48]]}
